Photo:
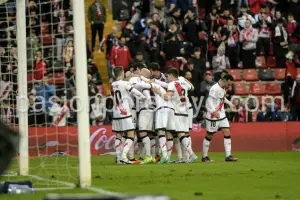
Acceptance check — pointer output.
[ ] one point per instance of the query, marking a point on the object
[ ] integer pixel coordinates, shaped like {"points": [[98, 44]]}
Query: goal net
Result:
{"points": [[38, 85]]}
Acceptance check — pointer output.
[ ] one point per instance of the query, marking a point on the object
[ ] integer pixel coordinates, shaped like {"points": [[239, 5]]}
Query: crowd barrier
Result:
{"points": [[246, 137]]}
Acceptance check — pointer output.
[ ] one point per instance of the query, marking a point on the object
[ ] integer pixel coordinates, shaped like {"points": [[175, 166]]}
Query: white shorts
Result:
{"points": [[191, 113], [145, 120], [164, 119], [213, 126], [181, 123], [134, 117], [125, 124]]}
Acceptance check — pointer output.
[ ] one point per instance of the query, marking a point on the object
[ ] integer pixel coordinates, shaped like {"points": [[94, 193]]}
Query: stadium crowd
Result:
{"points": [[257, 41]]}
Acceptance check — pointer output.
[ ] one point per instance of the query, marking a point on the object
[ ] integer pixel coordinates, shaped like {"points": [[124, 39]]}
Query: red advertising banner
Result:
{"points": [[47, 141]]}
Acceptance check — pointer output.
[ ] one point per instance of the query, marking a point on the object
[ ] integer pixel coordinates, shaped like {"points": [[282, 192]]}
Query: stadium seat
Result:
{"points": [[47, 39], [236, 73], [261, 61], [279, 73], [58, 79], [273, 88], [250, 75], [254, 116], [271, 61], [240, 88], [265, 75], [257, 88]]}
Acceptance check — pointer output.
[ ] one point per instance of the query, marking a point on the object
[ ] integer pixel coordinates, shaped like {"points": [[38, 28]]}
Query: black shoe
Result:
{"points": [[207, 159], [231, 159]]}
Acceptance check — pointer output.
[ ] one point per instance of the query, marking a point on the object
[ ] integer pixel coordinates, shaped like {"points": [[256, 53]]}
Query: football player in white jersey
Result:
{"points": [[216, 118], [177, 94], [122, 118], [145, 113]]}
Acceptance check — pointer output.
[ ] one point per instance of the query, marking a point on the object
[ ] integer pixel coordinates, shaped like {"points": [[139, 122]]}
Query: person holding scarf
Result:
{"points": [[248, 38], [97, 18], [220, 62]]}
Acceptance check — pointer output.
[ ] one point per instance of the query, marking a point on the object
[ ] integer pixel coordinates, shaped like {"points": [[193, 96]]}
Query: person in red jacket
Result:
{"points": [[40, 67], [255, 5], [225, 17], [290, 29], [120, 55]]}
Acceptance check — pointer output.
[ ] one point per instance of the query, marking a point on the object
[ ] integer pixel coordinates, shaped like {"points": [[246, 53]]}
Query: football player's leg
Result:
{"points": [[163, 143], [211, 128], [152, 144], [227, 145], [177, 145], [118, 146], [127, 145], [186, 144], [170, 143], [131, 151], [141, 148]]}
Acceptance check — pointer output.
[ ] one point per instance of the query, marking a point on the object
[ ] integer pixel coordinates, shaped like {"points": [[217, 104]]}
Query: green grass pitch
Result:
{"points": [[260, 176]]}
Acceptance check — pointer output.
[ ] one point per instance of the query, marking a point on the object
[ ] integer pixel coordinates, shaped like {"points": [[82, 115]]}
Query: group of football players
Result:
{"points": [[157, 114]]}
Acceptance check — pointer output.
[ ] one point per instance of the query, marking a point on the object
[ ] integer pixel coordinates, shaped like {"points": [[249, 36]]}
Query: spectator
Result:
{"points": [[286, 88], [295, 99], [92, 87], [157, 20], [206, 84], [111, 40], [199, 63], [120, 55], [232, 43], [138, 9], [220, 62], [97, 18], [5, 87], [59, 33], [193, 76], [291, 64], [155, 41], [40, 67], [219, 8], [264, 25], [226, 16], [178, 34], [44, 92], [171, 50], [291, 27], [127, 32], [60, 112], [213, 19], [36, 115], [68, 53], [173, 17], [255, 5], [269, 113], [214, 40], [248, 38], [158, 6], [138, 60], [170, 6], [280, 43], [278, 16], [192, 28], [244, 16], [98, 111]]}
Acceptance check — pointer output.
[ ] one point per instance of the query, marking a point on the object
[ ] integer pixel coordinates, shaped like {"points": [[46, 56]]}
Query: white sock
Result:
{"points": [[118, 148], [170, 144], [227, 145], [157, 146], [205, 147], [127, 145], [163, 145], [178, 148], [186, 143], [185, 154], [131, 151], [147, 146], [153, 146]]}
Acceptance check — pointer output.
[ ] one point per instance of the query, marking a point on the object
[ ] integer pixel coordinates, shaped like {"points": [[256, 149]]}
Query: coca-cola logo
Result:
{"points": [[99, 140]]}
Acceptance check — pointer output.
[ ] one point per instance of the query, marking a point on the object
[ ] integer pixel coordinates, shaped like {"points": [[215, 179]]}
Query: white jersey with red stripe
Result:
{"points": [[179, 98], [215, 102], [123, 100], [59, 114], [159, 98], [162, 78]]}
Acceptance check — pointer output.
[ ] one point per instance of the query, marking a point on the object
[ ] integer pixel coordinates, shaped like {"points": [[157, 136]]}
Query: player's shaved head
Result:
{"points": [[118, 71], [146, 73]]}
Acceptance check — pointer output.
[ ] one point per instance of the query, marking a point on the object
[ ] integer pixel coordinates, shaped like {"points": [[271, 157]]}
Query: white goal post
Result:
{"points": [[81, 88]]}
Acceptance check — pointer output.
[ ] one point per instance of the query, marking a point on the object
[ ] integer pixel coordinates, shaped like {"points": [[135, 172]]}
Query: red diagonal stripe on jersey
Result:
{"points": [[4, 92], [122, 110], [63, 113]]}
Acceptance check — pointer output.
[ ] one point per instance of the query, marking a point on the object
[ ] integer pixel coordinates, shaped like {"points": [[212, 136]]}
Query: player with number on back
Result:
{"points": [[216, 118], [122, 118], [178, 96]]}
